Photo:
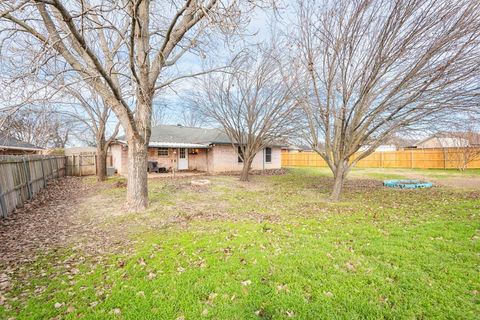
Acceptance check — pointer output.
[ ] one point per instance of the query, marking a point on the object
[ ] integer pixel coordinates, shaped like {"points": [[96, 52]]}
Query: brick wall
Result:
{"points": [[163, 161], [225, 159], [220, 158], [120, 158], [199, 160]]}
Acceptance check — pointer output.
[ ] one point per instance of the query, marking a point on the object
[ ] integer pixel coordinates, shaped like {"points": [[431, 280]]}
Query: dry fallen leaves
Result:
{"points": [[151, 276], [246, 283], [350, 267]]}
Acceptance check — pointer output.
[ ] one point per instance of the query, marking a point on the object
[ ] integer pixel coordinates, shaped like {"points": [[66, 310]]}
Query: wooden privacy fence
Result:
{"points": [[447, 158], [84, 164], [21, 177]]}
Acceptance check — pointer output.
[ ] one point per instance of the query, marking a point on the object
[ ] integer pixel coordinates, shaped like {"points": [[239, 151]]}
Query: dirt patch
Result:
{"points": [[266, 172], [325, 184], [43, 223], [468, 183], [453, 182], [69, 217]]}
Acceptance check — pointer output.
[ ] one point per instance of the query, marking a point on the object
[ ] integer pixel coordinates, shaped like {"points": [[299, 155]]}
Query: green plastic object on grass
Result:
{"points": [[407, 184]]}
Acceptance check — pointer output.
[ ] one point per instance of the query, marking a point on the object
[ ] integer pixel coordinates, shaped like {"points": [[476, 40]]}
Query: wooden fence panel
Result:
{"points": [[83, 164], [21, 178], [448, 158]]}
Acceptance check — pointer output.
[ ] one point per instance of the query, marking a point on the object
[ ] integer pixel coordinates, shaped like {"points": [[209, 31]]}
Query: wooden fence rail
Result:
{"points": [[22, 177], [447, 158], [84, 164]]}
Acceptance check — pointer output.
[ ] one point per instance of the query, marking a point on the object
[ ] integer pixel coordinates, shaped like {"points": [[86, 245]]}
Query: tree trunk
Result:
{"points": [[101, 163], [339, 177], [137, 189], [247, 164]]}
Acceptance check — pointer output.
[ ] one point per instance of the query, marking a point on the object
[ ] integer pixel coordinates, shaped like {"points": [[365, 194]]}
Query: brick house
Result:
{"points": [[187, 148]]}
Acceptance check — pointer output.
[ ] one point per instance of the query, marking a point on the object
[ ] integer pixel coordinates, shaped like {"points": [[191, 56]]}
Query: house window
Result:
{"points": [[182, 153], [163, 152], [240, 154], [268, 155]]}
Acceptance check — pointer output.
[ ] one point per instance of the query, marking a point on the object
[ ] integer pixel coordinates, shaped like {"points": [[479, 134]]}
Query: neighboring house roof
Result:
{"points": [[452, 140], [401, 142], [15, 144], [171, 136]]}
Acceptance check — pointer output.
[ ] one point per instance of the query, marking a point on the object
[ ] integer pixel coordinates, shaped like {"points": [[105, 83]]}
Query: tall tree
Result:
{"points": [[40, 126], [253, 103], [94, 114], [372, 68], [121, 50]]}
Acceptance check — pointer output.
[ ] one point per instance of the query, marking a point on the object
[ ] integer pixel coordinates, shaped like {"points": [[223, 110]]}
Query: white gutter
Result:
{"points": [[20, 148], [156, 144]]}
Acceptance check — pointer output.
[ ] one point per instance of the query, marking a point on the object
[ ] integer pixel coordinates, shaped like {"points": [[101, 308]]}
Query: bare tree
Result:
{"points": [[39, 126], [94, 114], [253, 103], [121, 50], [160, 113], [463, 145], [189, 115], [372, 68]]}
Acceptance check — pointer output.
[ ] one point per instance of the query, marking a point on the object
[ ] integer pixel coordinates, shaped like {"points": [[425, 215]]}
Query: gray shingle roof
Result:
{"points": [[178, 136], [8, 142], [167, 134]]}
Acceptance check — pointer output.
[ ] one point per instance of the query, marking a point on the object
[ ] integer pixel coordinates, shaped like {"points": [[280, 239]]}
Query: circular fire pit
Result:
{"points": [[200, 182], [407, 184]]}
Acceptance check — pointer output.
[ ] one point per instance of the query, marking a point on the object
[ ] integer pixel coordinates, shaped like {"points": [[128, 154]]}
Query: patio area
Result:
{"points": [[176, 174]]}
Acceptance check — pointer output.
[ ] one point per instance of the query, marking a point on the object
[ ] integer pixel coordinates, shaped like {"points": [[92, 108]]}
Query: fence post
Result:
{"points": [[411, 159], [3, 204], [80, 165], [28, 178], [51, 167], [56, 167], [43, 174]]}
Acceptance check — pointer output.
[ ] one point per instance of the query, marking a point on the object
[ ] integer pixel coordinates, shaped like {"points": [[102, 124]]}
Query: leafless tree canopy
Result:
{"points": [[253, 103], [462, 140], [372, 68], [39, 126], [124, 50]]}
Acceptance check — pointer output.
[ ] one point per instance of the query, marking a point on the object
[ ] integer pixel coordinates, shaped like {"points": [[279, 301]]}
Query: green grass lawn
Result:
{"points": [[272, 248]]}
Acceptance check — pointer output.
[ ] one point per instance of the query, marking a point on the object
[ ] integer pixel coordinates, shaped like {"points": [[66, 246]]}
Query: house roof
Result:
{"points": [[12, 143], [177, 136], [454, 139]]}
